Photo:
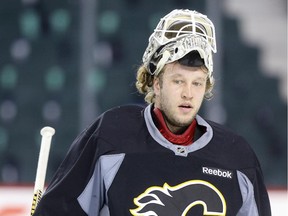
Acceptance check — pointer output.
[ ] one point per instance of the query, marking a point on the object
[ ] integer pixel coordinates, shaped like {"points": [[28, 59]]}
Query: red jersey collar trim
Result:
{"points": [[185, 138]]}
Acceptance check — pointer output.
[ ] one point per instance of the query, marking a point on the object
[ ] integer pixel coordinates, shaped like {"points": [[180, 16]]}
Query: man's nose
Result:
{"points": [[187, 92]]}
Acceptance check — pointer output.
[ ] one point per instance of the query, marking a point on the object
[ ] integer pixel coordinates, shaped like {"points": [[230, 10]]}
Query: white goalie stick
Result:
{"points": [[46, 133]]}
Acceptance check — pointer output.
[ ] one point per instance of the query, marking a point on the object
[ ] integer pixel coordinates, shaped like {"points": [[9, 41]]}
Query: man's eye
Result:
{"points": [[178, 81], [197, 84]]}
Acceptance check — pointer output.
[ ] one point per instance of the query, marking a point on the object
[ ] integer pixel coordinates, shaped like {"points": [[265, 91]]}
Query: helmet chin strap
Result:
{"points": [[162, 62]]}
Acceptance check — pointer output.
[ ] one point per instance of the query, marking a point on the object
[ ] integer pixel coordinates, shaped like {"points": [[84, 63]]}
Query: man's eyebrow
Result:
{"points": [[175, 75], [201, 78]]}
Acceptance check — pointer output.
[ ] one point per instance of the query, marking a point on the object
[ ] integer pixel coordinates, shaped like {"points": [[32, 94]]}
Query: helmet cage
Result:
{"points": [[177, 34]]}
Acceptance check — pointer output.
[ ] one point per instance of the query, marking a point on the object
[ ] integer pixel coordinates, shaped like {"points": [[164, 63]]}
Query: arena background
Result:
{"points": [[62, 63]]}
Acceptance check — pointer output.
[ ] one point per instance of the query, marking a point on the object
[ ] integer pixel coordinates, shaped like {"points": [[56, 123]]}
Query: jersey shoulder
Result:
{"points": [[126, 114], [121, 122], [232, 147]]}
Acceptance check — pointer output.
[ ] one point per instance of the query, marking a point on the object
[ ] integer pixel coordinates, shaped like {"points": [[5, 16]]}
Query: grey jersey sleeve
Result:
{"points": [[96, 190], [249, 207]]}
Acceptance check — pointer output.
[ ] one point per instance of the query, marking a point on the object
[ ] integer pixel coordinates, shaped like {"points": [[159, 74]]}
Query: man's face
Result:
{"points": [[179, 94]]}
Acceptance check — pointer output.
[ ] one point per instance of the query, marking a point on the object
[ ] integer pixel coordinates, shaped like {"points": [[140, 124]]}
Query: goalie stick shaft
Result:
{"points": [[46, 133]]}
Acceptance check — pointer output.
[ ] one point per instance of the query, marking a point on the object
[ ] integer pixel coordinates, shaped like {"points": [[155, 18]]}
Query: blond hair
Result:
{"points": [[144, 84]]}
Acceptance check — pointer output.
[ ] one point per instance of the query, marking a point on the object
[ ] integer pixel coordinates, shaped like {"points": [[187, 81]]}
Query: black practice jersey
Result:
{"points": [[121, 165]]}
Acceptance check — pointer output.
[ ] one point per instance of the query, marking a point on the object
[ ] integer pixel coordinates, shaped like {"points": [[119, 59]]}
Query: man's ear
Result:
{"points": [[156, 86]]}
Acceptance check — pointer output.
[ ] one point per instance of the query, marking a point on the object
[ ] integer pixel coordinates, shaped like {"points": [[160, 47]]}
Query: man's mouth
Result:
{"points": [[185, 106]]}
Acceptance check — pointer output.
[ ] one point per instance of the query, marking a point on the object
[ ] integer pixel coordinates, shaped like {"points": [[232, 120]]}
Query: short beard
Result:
{"points": [[177, 126]]}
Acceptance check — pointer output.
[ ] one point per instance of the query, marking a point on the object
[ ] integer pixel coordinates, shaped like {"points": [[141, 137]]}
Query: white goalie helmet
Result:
{"points": [[178, 33]]}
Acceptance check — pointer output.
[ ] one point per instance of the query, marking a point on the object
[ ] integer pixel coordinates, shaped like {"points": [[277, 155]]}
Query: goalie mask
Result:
{"points": [[182, 35]]}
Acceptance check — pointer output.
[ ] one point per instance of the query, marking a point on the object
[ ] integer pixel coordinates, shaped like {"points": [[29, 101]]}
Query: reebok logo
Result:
{"points": [[217, 172]]}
